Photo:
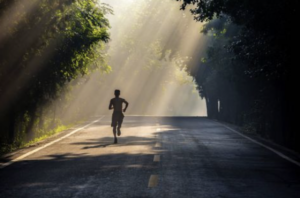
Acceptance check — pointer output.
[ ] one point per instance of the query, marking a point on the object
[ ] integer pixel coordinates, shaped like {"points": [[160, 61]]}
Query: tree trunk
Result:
{"points": [[11, 126]]}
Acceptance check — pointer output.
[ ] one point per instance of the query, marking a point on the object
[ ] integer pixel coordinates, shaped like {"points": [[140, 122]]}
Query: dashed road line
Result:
{"points": [[156, 158], [153, 181], [158, 144]]}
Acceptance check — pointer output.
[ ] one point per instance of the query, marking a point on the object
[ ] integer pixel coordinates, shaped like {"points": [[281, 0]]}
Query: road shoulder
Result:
{"points": [[9, 157], [278, 149]]}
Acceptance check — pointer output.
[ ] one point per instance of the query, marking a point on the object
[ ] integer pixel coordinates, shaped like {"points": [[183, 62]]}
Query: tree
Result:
{"points": [[45, 44], [259, 51]]}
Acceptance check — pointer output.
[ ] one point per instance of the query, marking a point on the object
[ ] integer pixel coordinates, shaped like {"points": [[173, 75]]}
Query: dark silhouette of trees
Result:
{"points": [[246, 75]]}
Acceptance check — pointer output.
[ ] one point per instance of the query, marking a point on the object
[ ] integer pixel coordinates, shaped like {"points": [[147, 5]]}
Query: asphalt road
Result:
{"points": [[155, 157]]}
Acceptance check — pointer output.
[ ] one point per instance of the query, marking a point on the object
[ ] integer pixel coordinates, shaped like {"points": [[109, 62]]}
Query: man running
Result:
{"points": [[117, 116]]}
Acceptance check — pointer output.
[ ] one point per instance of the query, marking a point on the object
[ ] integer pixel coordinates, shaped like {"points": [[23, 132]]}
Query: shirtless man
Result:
{"points": [[117, 117]]}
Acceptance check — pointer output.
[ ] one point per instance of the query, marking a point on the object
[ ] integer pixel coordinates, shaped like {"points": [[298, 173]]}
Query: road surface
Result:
{"points": [[155, 157]]}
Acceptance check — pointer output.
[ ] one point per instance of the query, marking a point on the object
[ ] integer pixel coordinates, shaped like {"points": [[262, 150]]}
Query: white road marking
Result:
{"points": [[156, 158], [153, 181], [46, 145], [263, 145], [158, 144]]}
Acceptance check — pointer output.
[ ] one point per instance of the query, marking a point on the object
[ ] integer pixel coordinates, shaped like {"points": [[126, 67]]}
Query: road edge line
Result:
{"points": [[47, 145], [280, 154]]}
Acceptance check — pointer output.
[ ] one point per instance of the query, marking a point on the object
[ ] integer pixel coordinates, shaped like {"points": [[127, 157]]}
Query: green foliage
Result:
{"points": [[21, 142], [262, 33], [45, 45]]}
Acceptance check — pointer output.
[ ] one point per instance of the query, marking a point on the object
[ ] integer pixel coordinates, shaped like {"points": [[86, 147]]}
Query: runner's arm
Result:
{"points": [[126, 103], [110, 105]]}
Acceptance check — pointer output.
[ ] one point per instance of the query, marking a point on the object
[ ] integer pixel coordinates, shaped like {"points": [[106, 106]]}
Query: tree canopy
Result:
{"points": [[44, 45], [246, 74]]}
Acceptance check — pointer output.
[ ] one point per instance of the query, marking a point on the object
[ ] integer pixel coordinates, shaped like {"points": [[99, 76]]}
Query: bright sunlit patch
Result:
{"points": [[148, 52]]}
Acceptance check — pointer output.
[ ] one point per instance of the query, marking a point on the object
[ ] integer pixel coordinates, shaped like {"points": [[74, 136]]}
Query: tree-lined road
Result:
{"points": [[155, 157]]}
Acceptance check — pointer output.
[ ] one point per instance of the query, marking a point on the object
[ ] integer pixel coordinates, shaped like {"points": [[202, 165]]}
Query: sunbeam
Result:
{"points": [[148, 52]]}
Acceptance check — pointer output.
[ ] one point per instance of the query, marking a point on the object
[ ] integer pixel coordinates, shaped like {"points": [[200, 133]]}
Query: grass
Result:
{"points": [[47, 135], [7, 148]]}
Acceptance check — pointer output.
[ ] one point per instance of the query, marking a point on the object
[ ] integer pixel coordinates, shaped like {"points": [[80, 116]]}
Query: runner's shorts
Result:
{"points": [[117, 119]]}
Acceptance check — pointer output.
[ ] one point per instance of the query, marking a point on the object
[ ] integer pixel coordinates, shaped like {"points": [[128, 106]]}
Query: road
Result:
{"points": [[155, 157]]}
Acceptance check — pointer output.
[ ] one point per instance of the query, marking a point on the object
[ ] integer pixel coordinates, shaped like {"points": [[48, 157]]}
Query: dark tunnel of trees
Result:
{"points": [[245, 74]]}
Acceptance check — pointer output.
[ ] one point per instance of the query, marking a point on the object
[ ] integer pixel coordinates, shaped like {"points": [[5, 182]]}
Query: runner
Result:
{"points": [[117, 117]]}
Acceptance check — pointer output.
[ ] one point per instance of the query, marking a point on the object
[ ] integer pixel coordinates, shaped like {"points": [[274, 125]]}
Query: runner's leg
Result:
{"points": [[120, 121], [115, 134], [114, 125]]}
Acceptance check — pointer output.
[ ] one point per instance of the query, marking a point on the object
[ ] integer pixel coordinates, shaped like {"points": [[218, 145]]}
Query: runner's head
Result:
{"points": [[117, 93]]}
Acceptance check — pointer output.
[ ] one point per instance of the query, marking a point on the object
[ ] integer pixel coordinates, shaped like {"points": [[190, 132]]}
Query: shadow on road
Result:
{"points": [[98, 146]]}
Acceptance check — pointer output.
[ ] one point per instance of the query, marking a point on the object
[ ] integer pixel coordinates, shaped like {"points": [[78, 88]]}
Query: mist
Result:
{"points": [[60, 67], [152, 43]]}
